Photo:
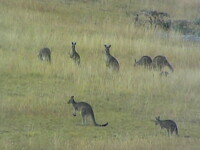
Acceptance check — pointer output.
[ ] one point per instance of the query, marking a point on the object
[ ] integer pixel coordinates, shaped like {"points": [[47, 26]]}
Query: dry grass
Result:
{"points": [[34, 113]]}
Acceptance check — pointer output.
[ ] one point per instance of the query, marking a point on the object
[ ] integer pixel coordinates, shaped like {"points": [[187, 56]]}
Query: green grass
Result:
{"points": [[34, 113]]}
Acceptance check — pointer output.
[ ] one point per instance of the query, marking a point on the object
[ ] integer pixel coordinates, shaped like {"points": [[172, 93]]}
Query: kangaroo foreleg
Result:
{"points": [[74, 114]]}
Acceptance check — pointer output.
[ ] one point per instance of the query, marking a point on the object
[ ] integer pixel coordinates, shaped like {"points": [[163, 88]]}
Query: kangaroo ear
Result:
{"points": [[75, 43], [105, 45], [135, 61], [109, 46], [158, 117], [72, 97]]}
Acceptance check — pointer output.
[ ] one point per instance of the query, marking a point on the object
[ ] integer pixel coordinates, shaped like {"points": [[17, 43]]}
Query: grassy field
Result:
{"points": [[34, 114]]}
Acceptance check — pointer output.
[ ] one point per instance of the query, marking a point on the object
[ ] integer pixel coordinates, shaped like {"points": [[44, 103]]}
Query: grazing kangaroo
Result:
{"points": [[144, 61], [111, 61], [74, 55], [45, 54], [160, 62], [168, 124], [86, 110]]}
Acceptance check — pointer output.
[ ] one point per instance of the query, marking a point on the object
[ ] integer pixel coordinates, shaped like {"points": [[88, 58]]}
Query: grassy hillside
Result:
{"points": [[34, 113]]}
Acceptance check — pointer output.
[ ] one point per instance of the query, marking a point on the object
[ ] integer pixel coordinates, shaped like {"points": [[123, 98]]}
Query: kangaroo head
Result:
{"points": [[71, 100], [157, 120], [107, 48], [73, 45]]}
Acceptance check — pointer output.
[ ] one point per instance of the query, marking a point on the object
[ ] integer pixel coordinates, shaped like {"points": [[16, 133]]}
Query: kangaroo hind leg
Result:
{"points": [[84, 119]]}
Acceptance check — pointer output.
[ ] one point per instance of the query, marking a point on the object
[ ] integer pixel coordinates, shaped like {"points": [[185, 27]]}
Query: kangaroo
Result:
{"points": [[45, 54], [144, 61], [168, 124], [86, 110], [74, 55], [160, 62], [111, 61]]}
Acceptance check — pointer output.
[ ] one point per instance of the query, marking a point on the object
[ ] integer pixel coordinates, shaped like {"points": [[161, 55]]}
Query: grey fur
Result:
{"points": [[86, 110], [45, 54], [160, 62], [74, 55], [144, 61], [111, 61], [168, 124]]}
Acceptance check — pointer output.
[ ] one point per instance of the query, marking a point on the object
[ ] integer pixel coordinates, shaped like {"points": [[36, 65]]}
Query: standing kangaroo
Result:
{"points": [[86, 110], [144, 61], [168, 124], [74, 55], [45, 54], [160, 62], [111, 61]]}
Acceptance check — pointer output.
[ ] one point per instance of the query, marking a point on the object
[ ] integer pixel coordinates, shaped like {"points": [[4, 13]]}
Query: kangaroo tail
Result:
{"points": [[50, 58], [96, 124], [176, 130], [102, 125]]}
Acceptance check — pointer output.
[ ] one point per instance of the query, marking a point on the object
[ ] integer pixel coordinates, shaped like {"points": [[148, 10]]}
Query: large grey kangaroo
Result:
{"points": [[86, 110], [111, 61], [144, 61], [74, 55], [45, 54], [160, 62], [168, 124]]}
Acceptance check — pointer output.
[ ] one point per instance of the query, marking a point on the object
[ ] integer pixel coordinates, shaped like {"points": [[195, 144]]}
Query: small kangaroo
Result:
{"points": [[144, 61], [45, 54], [74, 55], [160, 62], [168, 124], [86, 110], [111, 61]]}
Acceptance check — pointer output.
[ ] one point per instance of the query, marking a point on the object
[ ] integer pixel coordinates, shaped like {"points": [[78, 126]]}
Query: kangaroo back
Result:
{"points": [[144, 61], [160, 62]]}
